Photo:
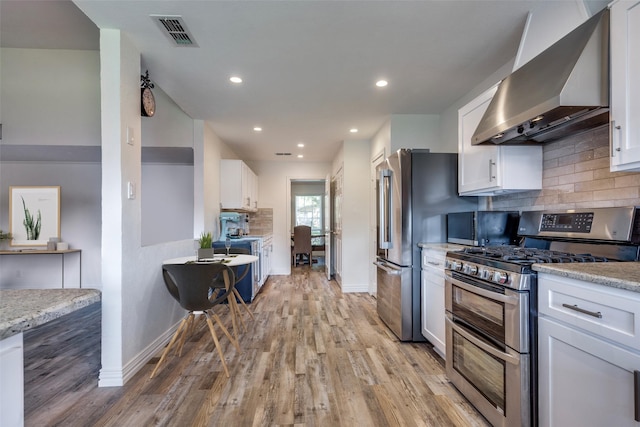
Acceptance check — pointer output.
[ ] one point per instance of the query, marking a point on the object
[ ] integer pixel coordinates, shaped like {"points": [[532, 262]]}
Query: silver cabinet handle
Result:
{"points": [[574, 307], [491, 165], [433, 263], [612, 142]]}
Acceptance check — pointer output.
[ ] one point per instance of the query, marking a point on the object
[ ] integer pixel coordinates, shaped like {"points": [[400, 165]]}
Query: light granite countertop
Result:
{"points": [[445, 247], [23, 309], [622, 275]]}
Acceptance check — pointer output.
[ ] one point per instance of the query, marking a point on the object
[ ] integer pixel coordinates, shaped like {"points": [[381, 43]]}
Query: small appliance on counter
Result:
{"points": [[483, 228], [233, 225]]}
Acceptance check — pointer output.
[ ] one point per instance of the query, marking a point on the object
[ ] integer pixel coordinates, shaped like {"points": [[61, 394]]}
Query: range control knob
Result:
{"points": [[470, 269], [455, 265], [484, 274], [500, 277]]}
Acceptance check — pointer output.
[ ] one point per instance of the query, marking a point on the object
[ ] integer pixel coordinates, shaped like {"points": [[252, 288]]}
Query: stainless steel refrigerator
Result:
{"points": [[416, 190]]}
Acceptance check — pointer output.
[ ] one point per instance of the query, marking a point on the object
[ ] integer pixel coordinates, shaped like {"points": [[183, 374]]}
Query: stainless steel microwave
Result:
{"points": [[483, 228]]}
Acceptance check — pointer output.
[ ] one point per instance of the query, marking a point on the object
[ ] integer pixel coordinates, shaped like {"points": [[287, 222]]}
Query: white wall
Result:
{"points": [[355, 216], [418, 131], [544, 27], [137, 311], [274, 192], [208, 150]]}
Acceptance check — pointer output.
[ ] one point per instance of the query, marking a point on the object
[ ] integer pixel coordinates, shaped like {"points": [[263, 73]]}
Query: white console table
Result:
{"points": [[33, 268]]}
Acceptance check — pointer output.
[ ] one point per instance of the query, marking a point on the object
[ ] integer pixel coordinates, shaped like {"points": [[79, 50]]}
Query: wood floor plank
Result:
{"points": [[313, 356]]}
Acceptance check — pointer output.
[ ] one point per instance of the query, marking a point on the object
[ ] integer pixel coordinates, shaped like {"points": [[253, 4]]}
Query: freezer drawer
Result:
{"points": [[394, 298]]}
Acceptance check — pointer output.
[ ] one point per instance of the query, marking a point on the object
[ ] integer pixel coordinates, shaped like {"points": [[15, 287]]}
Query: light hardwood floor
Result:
{"points": [[312, 357]]}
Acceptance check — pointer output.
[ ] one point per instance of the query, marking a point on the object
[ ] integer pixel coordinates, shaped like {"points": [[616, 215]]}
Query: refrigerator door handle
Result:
{"points": [[385, 209], [386, 269]]}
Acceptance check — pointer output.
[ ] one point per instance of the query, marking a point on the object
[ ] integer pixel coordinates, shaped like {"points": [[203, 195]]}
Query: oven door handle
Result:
{"points": [[482, 292], [484, 346]]}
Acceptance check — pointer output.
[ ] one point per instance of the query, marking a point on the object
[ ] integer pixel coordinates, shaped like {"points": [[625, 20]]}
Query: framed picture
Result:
{"points": [[34, 215]]}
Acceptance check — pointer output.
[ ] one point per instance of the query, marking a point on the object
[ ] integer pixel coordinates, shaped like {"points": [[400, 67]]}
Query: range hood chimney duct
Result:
{"points": [[562, 91]]}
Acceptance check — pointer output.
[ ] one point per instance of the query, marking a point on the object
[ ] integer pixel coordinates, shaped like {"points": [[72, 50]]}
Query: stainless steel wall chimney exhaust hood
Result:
{"points": [[563, 90]]}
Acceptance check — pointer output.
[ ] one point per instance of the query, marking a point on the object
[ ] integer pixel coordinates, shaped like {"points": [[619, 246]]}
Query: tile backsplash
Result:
{"points": [[261, 222], [576, 175]]}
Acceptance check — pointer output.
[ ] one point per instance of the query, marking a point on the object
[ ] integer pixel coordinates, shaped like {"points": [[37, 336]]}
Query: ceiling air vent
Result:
{"points": [[175, 28], [283, 154]]}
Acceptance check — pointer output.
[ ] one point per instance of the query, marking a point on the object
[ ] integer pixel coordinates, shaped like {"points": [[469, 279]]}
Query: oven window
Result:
{"points": [[483, 371], [484, 314]]}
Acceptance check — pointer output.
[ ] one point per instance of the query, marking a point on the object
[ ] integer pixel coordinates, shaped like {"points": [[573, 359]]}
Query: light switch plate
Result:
{"points": [[130, 136], [131, 190]]}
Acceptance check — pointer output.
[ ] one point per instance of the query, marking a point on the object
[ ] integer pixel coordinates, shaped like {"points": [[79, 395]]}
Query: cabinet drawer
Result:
{"points": [[433, 258], [611, 313]]}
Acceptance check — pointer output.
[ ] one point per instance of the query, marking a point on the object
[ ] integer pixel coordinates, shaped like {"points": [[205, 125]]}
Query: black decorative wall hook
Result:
{"points": [[145, 81]]}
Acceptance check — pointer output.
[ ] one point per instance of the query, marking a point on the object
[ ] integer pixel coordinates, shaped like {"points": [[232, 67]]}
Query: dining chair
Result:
{"points": [[198, 288], [301, 243], [240, 271]]}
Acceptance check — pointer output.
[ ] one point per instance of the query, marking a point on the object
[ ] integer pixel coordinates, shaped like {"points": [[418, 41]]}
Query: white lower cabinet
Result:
{"points": [[12, 381], [586, 375], [432, 304]]}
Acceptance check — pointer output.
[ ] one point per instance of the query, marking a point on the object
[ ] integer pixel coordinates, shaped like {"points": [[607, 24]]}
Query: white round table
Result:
{"points": [[233, 260]]}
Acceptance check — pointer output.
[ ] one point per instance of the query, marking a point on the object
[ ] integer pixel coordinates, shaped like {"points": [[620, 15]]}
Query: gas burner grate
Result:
{"points": [[531, 255]]}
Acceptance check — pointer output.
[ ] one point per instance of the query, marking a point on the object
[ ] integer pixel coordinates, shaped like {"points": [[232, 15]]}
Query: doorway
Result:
{"points": [[307, 207]]}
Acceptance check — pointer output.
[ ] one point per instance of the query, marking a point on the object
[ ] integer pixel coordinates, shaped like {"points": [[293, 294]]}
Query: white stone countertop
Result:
{"points": [[23, 309], [621, 275]]}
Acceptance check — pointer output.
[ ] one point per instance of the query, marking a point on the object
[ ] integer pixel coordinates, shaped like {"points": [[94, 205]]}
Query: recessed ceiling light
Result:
{"points": [[301, 145], [382, 83], [353, 130], [300, 156], [257, 129], [235, 79]]}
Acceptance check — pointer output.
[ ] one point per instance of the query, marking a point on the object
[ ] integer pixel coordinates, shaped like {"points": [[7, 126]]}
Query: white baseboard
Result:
{"points": [[356, 287], [118, 377]]}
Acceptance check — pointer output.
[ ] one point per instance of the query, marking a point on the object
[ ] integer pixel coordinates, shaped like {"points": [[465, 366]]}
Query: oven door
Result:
{"points": [[494, 380], [499, 313]]}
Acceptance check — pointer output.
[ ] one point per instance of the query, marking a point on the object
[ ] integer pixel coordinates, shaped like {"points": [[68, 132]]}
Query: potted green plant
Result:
{"points": [[206, 245], [4, 237]]}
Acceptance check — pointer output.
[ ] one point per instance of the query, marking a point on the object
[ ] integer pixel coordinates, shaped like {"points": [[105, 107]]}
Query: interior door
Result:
{"points": [[327, 226]]}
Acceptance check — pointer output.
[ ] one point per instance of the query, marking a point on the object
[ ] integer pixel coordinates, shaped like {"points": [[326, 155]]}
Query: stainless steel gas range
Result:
{"points": [[491, 303]]}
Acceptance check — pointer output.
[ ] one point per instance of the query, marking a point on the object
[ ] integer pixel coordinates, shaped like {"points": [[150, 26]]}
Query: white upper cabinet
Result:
{"points": [[625, 85], [238, 186], [485, 170]]}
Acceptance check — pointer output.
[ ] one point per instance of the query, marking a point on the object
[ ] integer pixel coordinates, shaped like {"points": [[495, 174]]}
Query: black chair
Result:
{"points": [[240, 272], [198, 288]]}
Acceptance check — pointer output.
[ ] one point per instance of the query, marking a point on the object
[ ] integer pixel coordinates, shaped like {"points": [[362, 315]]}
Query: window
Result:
{"points": [[308, 211]]}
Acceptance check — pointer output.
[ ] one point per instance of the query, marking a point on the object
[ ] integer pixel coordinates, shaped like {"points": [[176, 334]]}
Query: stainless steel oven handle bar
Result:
{"points": [[390, 271], [485, 347], [482, 292]]}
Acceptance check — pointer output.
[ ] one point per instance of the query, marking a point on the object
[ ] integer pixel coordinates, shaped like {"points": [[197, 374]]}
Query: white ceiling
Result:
{"points": [[309, 67]]}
